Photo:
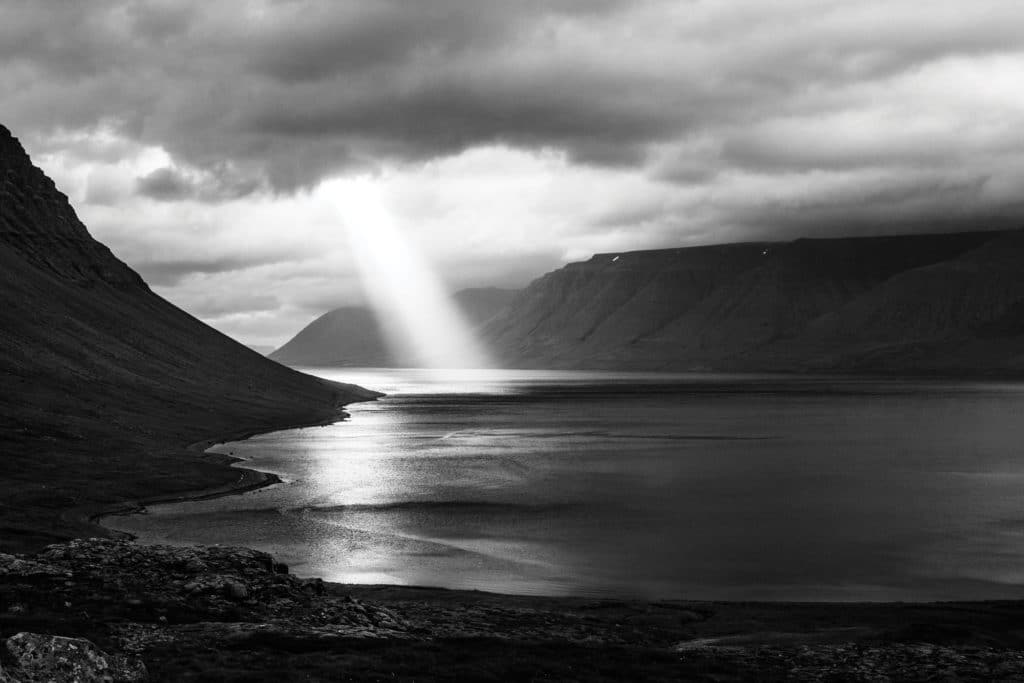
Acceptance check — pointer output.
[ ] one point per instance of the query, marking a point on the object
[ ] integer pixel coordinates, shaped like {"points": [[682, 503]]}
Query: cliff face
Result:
{"points": [[943, 303], [353, 336], [102, 382]]}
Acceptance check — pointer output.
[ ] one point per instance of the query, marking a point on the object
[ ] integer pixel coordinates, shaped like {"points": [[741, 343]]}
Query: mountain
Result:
{"points": [[103, 383], [352, 335], [944, 303], [349, 336], [480, 304], [261, 349]]}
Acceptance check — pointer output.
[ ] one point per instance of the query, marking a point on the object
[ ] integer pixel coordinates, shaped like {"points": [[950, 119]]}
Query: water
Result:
{"points": [[710, 487]]}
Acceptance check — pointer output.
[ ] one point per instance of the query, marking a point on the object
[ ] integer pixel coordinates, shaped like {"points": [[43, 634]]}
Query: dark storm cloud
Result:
{"points": [[911, 206], [440, 117], [747, 118], [326, 40], [296, 90], [165, 184], [317, 87], [169, 185], [630, 214], [170, 272]]}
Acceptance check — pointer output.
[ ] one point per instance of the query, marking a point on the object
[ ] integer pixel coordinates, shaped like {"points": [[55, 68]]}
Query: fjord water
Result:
{"points": [[684, 486]]}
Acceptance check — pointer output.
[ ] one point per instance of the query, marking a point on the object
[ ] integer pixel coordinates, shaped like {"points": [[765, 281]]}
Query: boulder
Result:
{"points": [[234, 589], [38, 657], [14, 566], [215, 584]]}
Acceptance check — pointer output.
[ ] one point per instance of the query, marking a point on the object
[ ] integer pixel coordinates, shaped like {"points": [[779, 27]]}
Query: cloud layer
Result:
{"points": [[208, 143]]}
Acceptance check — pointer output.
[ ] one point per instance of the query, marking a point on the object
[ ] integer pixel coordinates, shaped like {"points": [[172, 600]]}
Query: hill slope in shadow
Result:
{"points": [[104, 382], [943, 303]]}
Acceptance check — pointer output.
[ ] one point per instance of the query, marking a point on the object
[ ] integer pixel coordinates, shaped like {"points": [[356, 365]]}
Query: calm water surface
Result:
{"points": [[712, 487]]}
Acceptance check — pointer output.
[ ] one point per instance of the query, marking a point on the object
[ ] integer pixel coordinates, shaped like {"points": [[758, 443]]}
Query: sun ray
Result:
{"points": [[422, 322]]}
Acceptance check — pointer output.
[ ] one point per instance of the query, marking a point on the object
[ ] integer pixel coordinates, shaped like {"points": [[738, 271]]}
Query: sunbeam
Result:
{"points": [[421, 321]]}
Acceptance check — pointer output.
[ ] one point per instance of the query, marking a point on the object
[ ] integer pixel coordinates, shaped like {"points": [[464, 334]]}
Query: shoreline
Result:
{"points": [[172, 609], [249, 479]]}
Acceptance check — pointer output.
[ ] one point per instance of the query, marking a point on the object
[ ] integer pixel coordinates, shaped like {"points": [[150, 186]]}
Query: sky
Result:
{"points": [[231, 152]]}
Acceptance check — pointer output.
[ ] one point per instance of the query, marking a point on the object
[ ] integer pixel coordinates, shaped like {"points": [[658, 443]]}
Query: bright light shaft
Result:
{"points": [[421, 321]]}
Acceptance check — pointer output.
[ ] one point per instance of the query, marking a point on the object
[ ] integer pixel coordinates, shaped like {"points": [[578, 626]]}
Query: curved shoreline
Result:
{"points": [[249, 479]]}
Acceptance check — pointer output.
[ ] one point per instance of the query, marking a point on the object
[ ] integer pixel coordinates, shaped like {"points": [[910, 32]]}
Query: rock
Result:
{"points": [[159, 586], [40, 657], [194, 565], [14, 566], [214, 584], [236, 590], [127, 669]]}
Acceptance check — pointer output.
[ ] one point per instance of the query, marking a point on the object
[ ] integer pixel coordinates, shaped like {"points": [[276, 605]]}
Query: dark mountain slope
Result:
{"points": [[352, 335], [595, 309], [962, 314], [796, 283], [348, 336], [767, 306], [480, 304], [102, 383]]}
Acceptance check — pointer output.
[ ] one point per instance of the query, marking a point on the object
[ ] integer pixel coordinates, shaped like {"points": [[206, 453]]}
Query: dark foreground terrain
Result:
{"points": [[231, 614]]}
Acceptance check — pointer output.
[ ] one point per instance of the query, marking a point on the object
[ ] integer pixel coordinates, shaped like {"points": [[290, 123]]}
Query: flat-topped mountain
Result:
{"points": [[104, 382], [944, 303], [353, 336]]}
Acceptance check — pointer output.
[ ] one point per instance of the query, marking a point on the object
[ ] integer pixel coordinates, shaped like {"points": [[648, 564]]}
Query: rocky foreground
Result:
{"points": [[113, 610]]}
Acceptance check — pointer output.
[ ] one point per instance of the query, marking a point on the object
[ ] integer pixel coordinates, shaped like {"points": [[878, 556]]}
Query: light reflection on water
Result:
{"points": [[627, 484]]}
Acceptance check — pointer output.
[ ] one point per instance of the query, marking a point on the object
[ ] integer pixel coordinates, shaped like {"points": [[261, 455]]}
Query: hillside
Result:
{"points": [[947, 303], [349, 335], [103, 382], [353, 336]]}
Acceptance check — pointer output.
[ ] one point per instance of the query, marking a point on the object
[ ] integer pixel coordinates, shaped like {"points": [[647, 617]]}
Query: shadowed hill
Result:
{"points": [[103, 382], [353, 336], [925, 303], [350, 335], [964, 314], [590, 309]]}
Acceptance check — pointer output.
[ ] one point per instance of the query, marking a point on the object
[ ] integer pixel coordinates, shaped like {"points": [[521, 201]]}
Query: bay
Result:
{"points": [[641, 485]]}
